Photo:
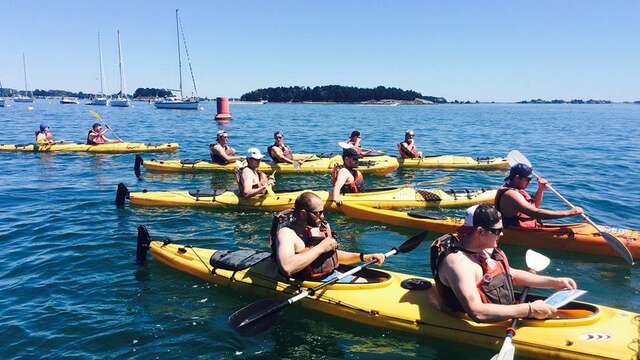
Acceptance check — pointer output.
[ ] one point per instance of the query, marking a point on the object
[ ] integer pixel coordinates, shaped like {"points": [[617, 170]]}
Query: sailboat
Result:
{"points": [[180, 102], [100, 98], [24, 98], [121, 100], [2, 101]]}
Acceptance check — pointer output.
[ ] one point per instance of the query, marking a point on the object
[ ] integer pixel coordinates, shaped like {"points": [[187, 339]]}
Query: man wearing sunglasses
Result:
{"points": [[473, 275], [518, 208], [304, 247], [407, 148], [221, 152], [279, 152]]}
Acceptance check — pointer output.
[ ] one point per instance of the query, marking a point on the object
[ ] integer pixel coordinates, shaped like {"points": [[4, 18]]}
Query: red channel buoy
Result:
{"points": [[222, 103]]}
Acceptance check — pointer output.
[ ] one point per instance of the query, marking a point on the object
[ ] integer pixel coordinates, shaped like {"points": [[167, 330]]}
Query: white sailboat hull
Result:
{"points": [[183, 105], [23, 99], [120, 102], [99, 102]]}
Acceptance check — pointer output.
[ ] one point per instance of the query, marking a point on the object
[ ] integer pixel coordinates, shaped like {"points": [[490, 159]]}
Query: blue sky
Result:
{"points": [[484, 50]]}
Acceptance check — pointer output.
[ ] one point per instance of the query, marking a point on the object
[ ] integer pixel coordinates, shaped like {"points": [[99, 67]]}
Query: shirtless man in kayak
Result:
{"points": [[96, 135], [304, 246], [473, 275], [279, 152], [355, 141], [346, 178], [221, 152], [518, 208], [407, 148], [251, 181]]}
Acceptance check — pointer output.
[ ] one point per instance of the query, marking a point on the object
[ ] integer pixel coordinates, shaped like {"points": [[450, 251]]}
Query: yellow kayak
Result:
{"points": [[374, 165], [455, 162], [389, 301], [116, 148], [389, 198]]}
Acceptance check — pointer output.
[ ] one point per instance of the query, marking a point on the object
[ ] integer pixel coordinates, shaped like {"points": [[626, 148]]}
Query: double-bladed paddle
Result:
{"points": [[516, 157], [260, 315], [536, 262]]}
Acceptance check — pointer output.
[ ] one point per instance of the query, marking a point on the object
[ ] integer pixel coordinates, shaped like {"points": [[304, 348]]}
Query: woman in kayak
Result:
{"points": [[251, 181], [355, 141], [279, 152], [44, 136], [346, 178], [304, 247], [221, 152], [407, 148], [96, 135], [518, 208], [473, 275]]}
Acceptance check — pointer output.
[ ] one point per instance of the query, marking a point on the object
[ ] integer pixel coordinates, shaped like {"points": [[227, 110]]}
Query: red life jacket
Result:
{"points": [[521, 219], [286, 152], [406, 153], [495, 287], [354, 187], [322, 266]]}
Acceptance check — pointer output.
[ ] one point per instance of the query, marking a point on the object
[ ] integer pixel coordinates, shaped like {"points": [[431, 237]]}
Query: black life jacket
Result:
{"points": [[89, 141], [216, 158], [286, 152], [322, 266], [495, 287]]}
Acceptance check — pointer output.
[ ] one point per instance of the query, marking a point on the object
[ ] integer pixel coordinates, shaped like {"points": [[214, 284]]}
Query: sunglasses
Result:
{"points": [[316, 213], [494, 231], [279, 137]]}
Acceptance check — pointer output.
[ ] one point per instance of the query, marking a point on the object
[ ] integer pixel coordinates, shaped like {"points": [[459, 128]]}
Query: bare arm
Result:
{"points": [[460, 277], [219, 150], [246, 188], [517, 202], [279, 155], [525, 278], [343, 177], [347, 257], [290, 262]]}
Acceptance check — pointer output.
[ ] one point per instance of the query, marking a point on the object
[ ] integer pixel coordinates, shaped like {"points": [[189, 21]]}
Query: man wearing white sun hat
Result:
{"points": [[251, 181], [473, 275]]}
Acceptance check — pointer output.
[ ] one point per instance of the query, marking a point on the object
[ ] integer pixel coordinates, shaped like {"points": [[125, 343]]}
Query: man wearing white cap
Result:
{"points": [[221, 152], [251, 181], [473, 275]]}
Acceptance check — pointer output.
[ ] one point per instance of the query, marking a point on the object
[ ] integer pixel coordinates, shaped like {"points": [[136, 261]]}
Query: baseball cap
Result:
{"points": [[522, 170], [485, 216], [254, 153], [410, 132], [355, 133], [221, 133], [43, 126]]}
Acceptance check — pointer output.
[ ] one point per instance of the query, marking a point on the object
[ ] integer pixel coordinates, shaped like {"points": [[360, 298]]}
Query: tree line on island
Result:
{"points": [[335, 93]]}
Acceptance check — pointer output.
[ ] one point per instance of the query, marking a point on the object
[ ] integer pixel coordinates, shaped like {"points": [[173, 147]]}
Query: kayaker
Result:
{"points": [[355, 141], [304, 247], [221, 152], [251, 181], [96, 135], [473, 275], [346, 178], [279, 152], [44, 136], [518, 208], [407, 148]]}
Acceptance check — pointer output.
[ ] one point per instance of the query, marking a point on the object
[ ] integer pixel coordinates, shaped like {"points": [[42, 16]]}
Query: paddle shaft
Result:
{"points": [[313, 290]]}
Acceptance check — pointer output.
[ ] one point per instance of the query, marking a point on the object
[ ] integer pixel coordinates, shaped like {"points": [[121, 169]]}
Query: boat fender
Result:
{"points": [[136, 166], [416, 284], [142, 247], [236, 260]]}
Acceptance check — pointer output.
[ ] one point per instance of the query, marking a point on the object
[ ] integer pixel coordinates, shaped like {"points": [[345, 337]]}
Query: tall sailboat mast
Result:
{"points": [[101, 68], [122, 87], [179, 53], [24, 68]]}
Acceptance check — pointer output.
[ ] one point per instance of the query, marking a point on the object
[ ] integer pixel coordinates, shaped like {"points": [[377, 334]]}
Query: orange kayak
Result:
{"points": [[580, 238]]}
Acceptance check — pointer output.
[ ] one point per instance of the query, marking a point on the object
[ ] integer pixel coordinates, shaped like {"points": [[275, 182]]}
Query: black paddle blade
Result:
{"points": [[618, 246], [255, 318], [121, 194], [412, 243], [136, 165], [144, 239]]}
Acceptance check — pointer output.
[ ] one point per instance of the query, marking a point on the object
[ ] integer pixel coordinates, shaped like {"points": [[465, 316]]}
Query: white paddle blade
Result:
{"points": [[536, 261], [507, 351], [515, 157], [345, 145]]}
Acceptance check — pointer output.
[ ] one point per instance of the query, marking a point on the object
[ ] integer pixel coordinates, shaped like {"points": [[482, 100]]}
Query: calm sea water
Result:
{"points": [[69, 286]]}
